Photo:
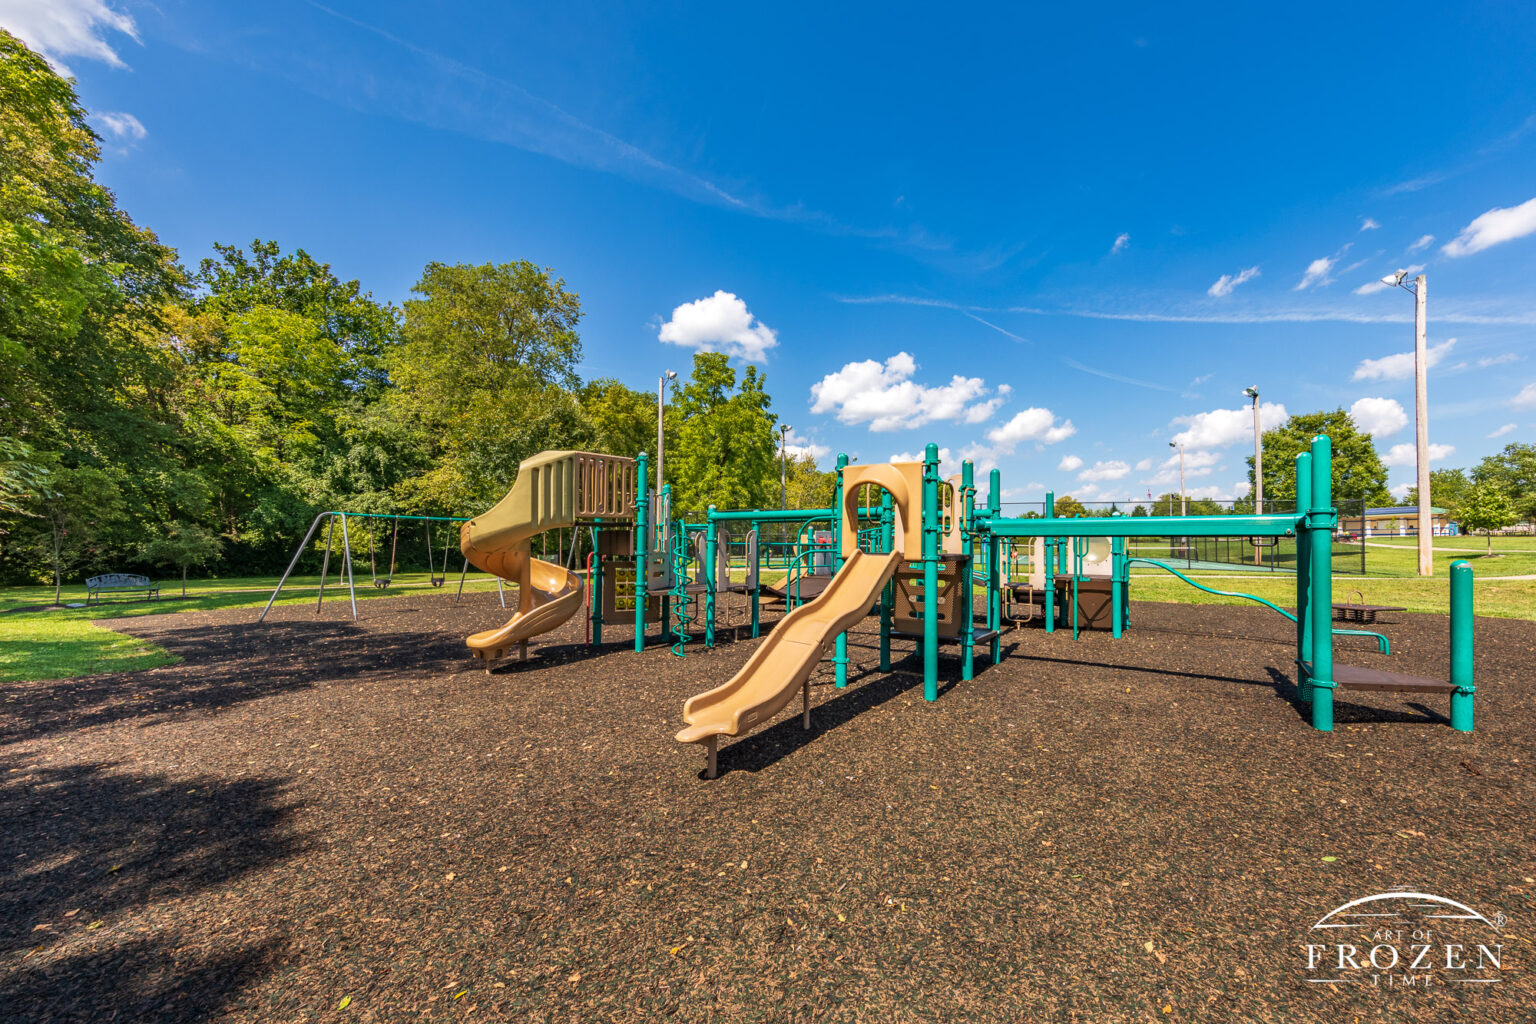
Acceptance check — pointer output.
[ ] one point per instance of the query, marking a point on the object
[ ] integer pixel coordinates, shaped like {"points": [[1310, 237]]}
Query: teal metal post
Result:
{"points": [[1050, 567], [888, 592], [757, 553], [595, 595], [711, 565], [967, 578], [1119, 580], [1320, 526], [1461, 645], [1303, 576], [663, 499], [931, 572], [642, 541], [994, 568], [840, 646]]}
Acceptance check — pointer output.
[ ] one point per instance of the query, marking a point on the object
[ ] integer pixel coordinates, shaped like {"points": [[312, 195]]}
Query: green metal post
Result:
{"points": [[1119, 577], [994, 569], [757, 587], [642, 538], [1461, 645], [888, 592], [668, 632], [967, 580], [1320, 526], [1050, 567], [840, 646], [711, 565], [1303, 576], [931, 572], [596, 583]]}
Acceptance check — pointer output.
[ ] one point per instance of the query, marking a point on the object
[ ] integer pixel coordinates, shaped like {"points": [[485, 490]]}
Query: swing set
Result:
{"points": [[437, 568]]}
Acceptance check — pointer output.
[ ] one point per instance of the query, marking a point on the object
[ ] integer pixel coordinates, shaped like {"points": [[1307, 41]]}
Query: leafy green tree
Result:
{"points": [[805, 486], [485, 373], [1446, 488], [1485, 507], [20, 477], [183, 545], [1167, 504], [622, 420], [1139, 510], [722, 449], [75, 514], [1068, 507], [1358, 474], [1514, 471], [283, 383]]}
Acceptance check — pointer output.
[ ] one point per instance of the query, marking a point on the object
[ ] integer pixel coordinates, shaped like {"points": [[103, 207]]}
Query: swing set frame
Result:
{"points": [[331, 518]]}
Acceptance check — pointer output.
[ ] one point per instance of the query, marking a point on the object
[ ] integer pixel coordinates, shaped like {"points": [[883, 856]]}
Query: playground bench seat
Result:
{"points": [[1352, 677], [119, 583], [1365, 614]]}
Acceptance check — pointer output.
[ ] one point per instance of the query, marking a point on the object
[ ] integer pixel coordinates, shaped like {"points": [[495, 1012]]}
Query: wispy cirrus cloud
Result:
{"points": [[1226, 283]]}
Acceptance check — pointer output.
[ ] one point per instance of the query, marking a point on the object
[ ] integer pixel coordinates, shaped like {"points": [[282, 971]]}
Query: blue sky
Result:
{"points": [[1052, 241]]}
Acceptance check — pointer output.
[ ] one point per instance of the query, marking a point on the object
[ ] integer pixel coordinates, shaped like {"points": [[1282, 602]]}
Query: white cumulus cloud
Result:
{"points": [[1114, 469], [1319, 272], [1405, 454], [1379, 416], [803, 447], [1219, 428], [68, 28], [1034, 424], [1507, 428], [1526, 399], [885, 396], [1399, 365], [1069, 463], [719, 323], [121, 127], [1227, 282], [1500, 224]]}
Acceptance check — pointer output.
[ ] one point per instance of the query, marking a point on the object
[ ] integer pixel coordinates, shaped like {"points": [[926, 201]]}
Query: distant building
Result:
{"points": [[1400, 521]]}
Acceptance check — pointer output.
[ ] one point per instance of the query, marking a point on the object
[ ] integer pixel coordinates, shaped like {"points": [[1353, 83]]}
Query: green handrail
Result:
{"points": [[1382, 643]]}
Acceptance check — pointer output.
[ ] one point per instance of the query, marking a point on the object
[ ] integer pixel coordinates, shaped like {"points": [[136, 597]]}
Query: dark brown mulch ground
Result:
{"points": [[314, 811]]}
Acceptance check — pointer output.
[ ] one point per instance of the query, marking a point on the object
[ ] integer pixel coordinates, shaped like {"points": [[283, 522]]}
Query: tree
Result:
{"points": [[1358, 474], [1068, 507], [1168, 504], [721, 448], [1514, 471], [808, 487], [1139, 510], [1485, 507], [623, 420], [485, 374], [183, 545], [1446, 488]]}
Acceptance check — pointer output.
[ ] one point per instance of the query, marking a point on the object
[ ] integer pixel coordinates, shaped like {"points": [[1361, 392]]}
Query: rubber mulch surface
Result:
{"points": [[313, 819]]}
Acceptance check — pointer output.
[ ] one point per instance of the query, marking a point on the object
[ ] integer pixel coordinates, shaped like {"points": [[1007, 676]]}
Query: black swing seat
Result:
{"points": [[1353, 677], [382, 583]]}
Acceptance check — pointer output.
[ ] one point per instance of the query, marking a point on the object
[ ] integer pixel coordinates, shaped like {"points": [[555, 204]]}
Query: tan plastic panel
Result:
{"points": [[787, 657]]}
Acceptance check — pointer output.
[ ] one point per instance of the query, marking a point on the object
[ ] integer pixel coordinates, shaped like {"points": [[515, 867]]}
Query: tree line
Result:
{"points": [[155, 416]]}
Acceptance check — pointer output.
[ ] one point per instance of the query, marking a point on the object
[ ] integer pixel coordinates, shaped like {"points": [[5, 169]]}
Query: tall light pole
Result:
{"points": [[784, 429], [1420, 414], [1258, 466], [661, 404], [1183, 497]]}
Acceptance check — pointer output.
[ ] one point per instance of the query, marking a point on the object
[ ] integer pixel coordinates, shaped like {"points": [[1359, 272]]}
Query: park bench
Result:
{"points": [[119, 583]]}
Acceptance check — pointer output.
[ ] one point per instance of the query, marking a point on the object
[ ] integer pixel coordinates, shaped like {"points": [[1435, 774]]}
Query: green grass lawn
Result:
{"points": [[1510, 599], [42, 642], [1398, 556]]}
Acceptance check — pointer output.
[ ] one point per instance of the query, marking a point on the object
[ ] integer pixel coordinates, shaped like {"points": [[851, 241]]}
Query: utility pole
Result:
{"points": [[661, 404], [1420, 291], [784, 429], [1183, 496]]}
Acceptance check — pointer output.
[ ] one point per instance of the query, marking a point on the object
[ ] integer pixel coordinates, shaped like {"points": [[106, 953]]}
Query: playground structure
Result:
{"points": [[922, 541]]}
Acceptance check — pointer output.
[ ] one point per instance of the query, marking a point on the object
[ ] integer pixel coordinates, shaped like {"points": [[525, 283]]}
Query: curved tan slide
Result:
{"points": [[785, 660], [497, 542]]}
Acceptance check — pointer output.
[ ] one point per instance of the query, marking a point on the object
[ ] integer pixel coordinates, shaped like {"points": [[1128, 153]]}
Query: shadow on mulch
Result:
{"points": [[88, 847], [222, 665]]}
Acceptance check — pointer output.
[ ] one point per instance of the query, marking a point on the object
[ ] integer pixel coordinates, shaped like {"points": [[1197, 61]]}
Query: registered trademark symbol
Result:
{"points": [[1498, 920]]}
